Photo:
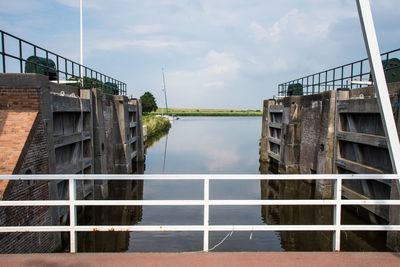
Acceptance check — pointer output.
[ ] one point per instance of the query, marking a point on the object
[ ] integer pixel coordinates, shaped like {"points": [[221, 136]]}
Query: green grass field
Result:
{"points": [[210, 112]]}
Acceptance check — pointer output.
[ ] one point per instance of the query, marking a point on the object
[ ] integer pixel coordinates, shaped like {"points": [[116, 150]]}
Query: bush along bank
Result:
{"points": [[218, 114], [157, 127], [210, 112]]}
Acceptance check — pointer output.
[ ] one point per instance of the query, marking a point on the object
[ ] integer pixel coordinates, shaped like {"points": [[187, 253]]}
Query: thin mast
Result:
{"points": [[165, 91]]}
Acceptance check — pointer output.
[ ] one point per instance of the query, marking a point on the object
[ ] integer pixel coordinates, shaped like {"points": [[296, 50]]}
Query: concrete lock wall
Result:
{"points": [[47, 128], [334, 132]]}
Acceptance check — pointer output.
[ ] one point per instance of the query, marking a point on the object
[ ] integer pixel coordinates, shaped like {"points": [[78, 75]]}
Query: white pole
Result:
{"points": [[81, 40], [378, 75]]}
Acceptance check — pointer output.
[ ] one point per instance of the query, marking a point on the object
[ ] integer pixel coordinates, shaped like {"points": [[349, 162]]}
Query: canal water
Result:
{"points": [[206, 145], [215, 145]]}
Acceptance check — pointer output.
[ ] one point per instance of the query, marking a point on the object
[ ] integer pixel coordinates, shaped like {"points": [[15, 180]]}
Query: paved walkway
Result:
{"points": [[228, 259]]}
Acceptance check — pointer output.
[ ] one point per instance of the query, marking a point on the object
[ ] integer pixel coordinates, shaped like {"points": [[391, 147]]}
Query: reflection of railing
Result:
{"points": [[352, 75], [15, 52], [337, 202]]}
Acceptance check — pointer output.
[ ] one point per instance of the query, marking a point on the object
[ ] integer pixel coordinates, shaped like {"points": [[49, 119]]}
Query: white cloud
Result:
{"points": [[259, 33], [214, 84], [76, 3], [279, 64], [20, 6], [145, 29], [295, 25], [111, 45], [217, 74], [220, 63], [218, 70]]}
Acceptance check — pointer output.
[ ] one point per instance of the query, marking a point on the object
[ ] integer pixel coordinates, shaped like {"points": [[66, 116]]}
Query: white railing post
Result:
{"points": [[206, 213], [73, 228], [72, 215], [337, 215]]}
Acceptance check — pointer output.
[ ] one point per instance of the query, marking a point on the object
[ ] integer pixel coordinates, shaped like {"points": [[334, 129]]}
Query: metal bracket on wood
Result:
{"points": [[340, 163], [341, 135]]}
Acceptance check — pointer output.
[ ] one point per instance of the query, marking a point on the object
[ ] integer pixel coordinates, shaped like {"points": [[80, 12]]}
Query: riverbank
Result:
{"points": [[157, 127], [209, 112]]}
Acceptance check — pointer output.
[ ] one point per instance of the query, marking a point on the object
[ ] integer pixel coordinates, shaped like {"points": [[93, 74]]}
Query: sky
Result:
{"points": [[215, 53]]}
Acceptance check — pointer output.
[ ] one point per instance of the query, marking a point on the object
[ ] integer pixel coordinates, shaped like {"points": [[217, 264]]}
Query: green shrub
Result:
{"points": [[157, 127]]}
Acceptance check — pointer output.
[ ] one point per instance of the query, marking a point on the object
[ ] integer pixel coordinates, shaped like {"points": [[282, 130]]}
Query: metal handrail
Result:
{"points": [[334, 78], [68, 68], [336, 227]]}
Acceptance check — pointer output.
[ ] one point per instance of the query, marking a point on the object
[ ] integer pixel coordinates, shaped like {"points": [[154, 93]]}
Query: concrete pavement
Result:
{"points": [[228, 259]]}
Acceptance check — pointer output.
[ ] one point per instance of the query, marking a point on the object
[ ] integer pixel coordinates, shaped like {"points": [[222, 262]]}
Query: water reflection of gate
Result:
{"points": [[322, 215], [297, 215], [111, 241]]}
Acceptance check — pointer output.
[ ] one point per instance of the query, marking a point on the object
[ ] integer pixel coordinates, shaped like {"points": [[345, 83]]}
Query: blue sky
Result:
{"points": [[216, 53]]}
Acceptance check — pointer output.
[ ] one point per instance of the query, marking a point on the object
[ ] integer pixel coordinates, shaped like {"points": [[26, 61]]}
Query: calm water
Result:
{"points": [[214, 145], [205, 145], [208, 145]]}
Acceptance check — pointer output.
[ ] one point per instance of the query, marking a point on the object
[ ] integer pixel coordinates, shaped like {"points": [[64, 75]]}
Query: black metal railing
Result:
{"points": [[352, 75], [20, 56]]}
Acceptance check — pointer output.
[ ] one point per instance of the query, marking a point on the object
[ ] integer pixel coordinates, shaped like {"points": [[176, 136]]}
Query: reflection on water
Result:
{"points": [[151, 140], [111, 215], [305, 215], [300, 215], [206, 145], [165, 154], [210, 145]]}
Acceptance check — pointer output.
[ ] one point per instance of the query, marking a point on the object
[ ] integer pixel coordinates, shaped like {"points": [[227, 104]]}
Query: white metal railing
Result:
{"points": [[336, 227]]}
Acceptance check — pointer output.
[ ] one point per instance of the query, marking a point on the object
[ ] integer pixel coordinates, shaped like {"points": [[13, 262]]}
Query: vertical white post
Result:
{"points": [[72, 215], [337, 215], [81, 23], [206, 213], [378, 75]]}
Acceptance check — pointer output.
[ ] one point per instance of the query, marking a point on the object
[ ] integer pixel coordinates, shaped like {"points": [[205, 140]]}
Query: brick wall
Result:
{"points": [[24, 150], [19, 98], [15, 130], [35, 160], [27, 216], [19, 107]]}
